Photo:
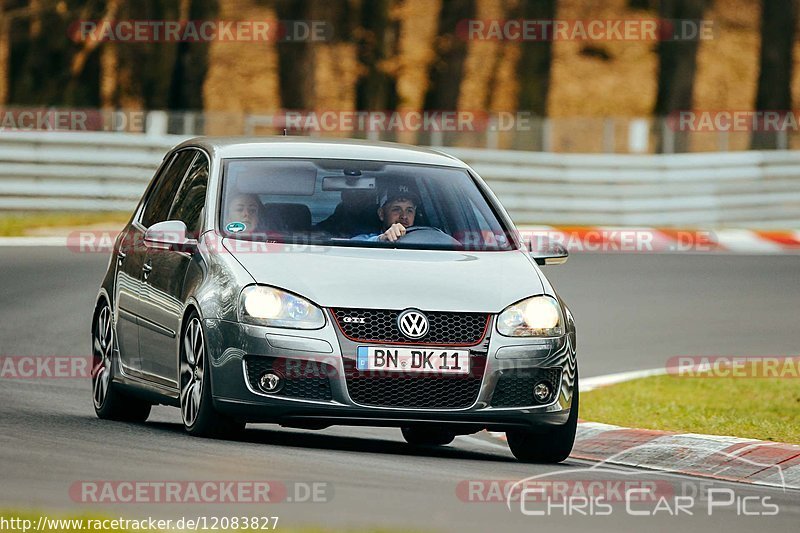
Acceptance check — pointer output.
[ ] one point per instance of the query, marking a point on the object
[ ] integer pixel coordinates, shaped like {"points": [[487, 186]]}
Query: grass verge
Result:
{"points": [[757, 408], [14, 224]]}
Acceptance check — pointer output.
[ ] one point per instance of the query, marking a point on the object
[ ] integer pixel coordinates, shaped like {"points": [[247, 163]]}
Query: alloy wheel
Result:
{"points": [[192, 371], [102, 347]]}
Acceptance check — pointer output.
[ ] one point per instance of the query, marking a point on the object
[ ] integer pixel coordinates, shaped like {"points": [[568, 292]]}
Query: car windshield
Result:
{"points": [[351, 203]]}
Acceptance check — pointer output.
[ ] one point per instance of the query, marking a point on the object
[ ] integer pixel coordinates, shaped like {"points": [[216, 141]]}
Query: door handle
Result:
{"points": [[147, 268]]}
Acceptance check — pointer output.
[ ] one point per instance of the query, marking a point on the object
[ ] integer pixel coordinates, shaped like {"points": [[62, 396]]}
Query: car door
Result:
{"points": [[163, 289], [156, 210], [130, 260]]}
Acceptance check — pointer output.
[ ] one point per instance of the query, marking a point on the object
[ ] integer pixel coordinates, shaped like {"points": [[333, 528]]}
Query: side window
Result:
{"points": [[191, 196], [160, 200]]}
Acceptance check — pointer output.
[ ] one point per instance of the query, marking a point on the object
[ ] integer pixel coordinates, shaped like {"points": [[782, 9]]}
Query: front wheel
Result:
{"points": [[427, 436], [109, 402], [553, 446], [197, 407]]}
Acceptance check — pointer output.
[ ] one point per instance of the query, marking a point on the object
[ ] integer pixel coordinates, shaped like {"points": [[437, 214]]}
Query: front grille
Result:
{"points": [[453, 329], [307, 380], [515, 388], [415, 392]]}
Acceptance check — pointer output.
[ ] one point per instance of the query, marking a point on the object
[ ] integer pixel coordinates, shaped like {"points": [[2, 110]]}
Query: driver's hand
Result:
{"points": [[394, 232]]}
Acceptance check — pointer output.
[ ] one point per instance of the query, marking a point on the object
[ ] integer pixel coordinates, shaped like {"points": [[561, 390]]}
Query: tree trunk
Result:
{"points": [[377, 44], [451, 51], [676, 70], [535, 60], [109, 72], [335, 61], [295, 60], [5, 54], [191, 60], [778, 19]]}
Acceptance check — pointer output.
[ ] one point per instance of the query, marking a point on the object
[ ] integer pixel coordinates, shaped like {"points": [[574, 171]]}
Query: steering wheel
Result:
{"points": [[427, 235], [413, 229]]}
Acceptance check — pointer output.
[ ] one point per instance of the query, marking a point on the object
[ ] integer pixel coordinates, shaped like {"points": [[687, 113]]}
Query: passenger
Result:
{"points": [[397, 212], [248, 210]]}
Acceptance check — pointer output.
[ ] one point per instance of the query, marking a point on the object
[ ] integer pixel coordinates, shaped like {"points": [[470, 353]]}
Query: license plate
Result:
{"points": [[432, 361]]}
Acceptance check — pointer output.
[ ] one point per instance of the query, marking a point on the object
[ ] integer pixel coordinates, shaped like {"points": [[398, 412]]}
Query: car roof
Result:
{"points": [[306, 147]]}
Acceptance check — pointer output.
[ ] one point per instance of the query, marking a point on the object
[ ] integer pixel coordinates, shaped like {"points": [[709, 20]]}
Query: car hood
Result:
{"points": [[432, 280]]}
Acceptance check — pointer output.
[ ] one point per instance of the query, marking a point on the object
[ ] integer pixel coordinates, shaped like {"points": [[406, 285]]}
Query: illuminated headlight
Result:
{"points": [[266, 306], [539, 316]]}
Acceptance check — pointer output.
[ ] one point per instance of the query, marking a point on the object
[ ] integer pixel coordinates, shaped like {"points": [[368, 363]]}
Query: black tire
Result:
{"points": [[417, 436], [205, 421], [108, 401], [553, 446]]}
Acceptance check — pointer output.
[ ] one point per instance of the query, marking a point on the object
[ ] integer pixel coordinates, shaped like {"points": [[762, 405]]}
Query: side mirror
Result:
{"points": [[545, 252], [169, 235]]}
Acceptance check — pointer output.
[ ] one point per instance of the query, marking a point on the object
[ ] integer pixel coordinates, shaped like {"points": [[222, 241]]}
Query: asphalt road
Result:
{"points": [[632, 311]]}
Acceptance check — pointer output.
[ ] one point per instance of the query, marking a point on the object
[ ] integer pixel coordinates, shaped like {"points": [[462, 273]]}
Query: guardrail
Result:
{"points": [[108, 171]]}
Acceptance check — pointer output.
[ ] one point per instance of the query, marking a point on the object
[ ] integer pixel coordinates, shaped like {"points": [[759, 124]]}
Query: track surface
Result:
{"points": [[632, 311]]}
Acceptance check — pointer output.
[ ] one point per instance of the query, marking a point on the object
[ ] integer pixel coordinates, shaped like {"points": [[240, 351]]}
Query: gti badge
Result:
{"points": [[413, 324], [354, 320]]}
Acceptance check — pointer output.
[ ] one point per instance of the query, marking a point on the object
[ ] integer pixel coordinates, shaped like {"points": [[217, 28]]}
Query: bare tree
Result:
{"points": [[295, 60], [377, 43], [778, 20], [677, 67], [191, 60], [451, 51], [89, 45], [535, 59], [5, 52]]}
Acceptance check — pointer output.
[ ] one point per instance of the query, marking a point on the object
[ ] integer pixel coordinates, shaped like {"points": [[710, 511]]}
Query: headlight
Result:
{"points": [[539, 316], [266, 306]]}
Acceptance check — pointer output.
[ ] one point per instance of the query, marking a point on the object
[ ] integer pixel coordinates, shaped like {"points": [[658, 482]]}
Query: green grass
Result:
{"points": [[14, 224], [757, 408]]}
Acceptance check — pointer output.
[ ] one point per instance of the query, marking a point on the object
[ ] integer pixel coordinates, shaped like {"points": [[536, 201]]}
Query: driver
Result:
{"points": [[397, 213]]}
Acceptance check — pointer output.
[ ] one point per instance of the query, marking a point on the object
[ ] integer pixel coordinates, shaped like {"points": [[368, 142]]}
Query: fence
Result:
{"points": [[108, 171], [717, 131]]}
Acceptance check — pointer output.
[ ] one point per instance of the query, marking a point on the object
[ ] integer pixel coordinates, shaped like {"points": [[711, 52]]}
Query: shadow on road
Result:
{"points": [[321, 441]]}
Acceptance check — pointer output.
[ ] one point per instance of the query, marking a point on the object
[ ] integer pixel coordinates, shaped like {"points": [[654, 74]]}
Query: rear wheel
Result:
{"points": [[197, 407], [553, 446], [109, 402], [417, 436]]}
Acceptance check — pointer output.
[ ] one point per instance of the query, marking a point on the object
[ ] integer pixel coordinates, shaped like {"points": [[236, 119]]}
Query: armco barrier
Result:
{"points": [[92, 171]]}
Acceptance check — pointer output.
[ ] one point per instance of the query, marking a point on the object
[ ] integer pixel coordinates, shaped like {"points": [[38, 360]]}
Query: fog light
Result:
{"points": [[542, 391], [270, 383]]}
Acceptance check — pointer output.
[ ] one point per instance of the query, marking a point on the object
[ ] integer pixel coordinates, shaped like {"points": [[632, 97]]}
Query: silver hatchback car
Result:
{"points": [[312, 283]]}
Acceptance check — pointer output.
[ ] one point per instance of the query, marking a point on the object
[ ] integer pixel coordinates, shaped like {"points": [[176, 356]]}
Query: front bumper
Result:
{"points": [[230, 344]]}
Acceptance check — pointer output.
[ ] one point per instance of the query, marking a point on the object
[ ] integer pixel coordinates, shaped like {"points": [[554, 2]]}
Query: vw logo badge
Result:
{"points": [[413, 324]]}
